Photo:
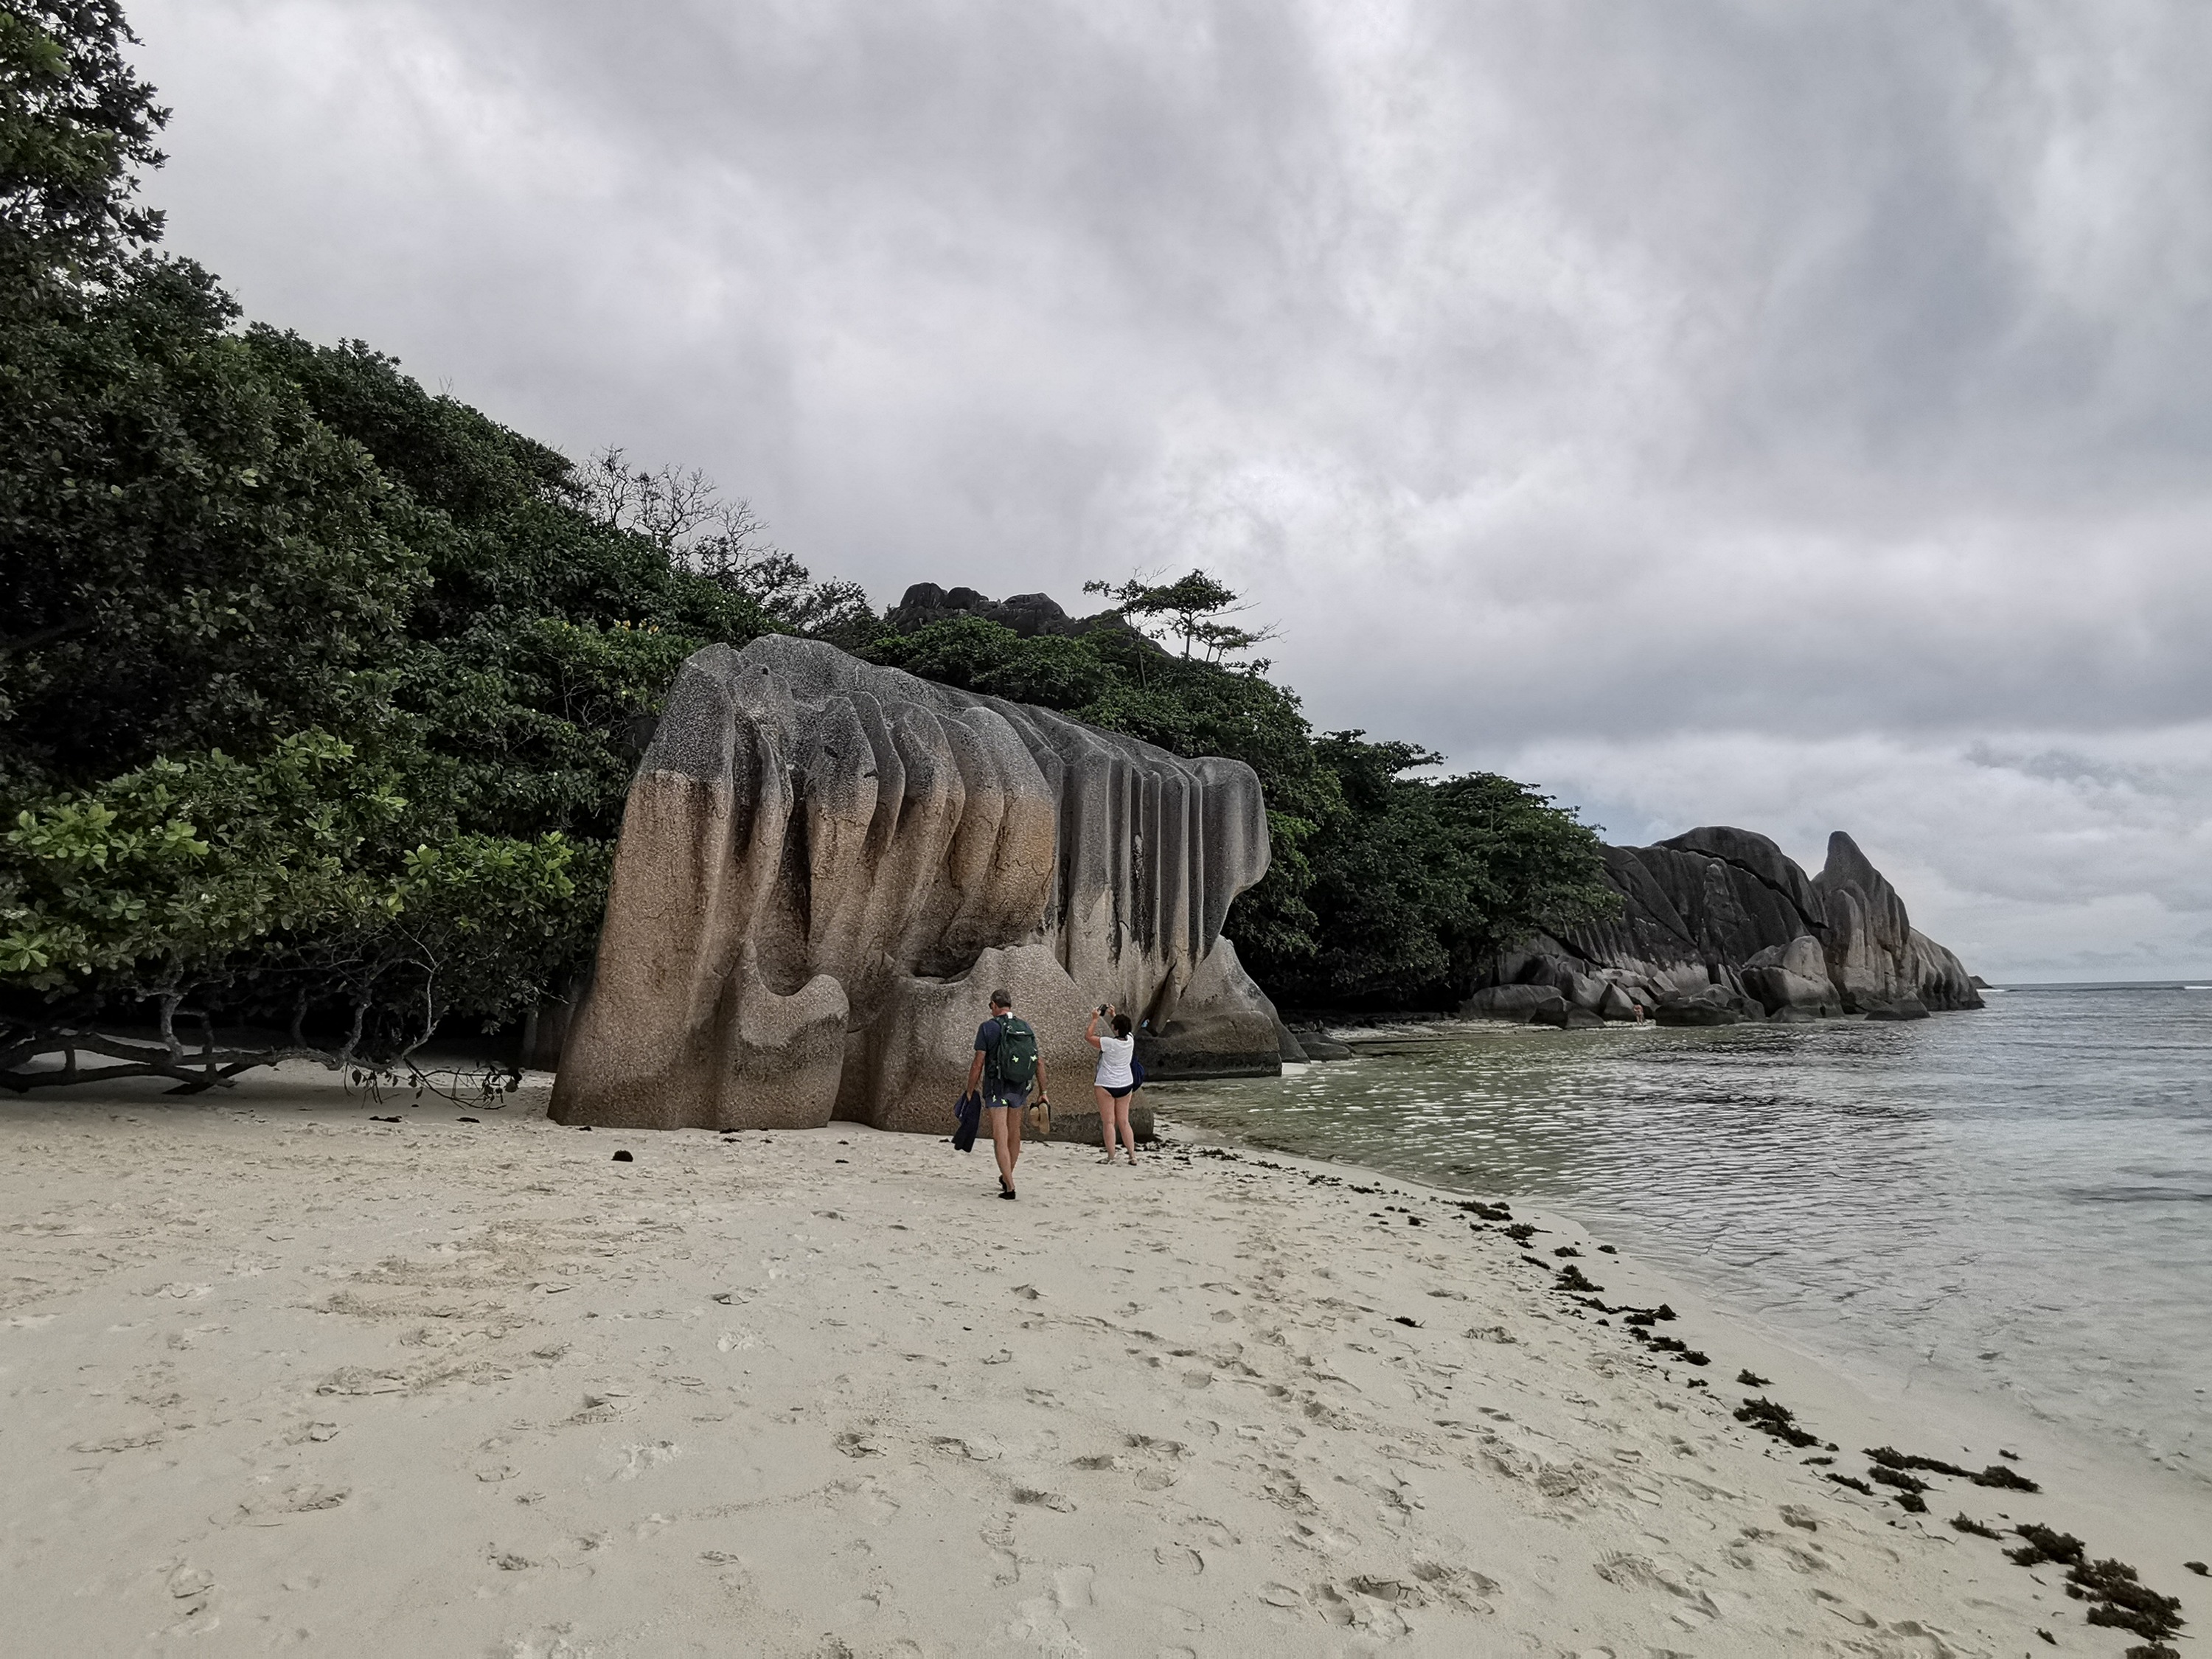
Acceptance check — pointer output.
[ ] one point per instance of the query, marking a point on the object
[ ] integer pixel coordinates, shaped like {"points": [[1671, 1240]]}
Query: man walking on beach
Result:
{"points": [[1006, 1062]]}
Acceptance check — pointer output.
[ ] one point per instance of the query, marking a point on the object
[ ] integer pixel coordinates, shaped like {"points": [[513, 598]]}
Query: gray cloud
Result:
{"points": [[1771, 392]]}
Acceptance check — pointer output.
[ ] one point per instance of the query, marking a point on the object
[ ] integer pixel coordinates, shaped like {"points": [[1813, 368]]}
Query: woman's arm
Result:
{"points": [[1091, 1032]]}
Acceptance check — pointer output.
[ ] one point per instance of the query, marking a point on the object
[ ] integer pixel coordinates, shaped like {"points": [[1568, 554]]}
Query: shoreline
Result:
{"points": [[1877, 1376], [1859, 1390], [278, 1373], [1912, 1200]]}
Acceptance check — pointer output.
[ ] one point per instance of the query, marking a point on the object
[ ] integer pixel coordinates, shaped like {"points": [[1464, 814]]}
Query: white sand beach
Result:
{"points": [[282, 1377]]}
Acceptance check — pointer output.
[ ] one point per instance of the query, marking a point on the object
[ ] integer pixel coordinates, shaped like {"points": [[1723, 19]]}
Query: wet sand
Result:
{"points": [[280, 1376]]}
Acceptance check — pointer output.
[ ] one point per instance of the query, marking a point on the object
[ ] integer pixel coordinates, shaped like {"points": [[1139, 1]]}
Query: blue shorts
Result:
{"points": [[1003, 1097]]}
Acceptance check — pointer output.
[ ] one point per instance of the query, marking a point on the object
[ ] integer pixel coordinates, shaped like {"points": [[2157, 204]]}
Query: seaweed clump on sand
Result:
{"points": [[1997, 1474], [1674, 1345], [2118, 1599], [1966, 1522], [1521, 1232], [1572, 1278], [2047, 1544], [1907, 1487], [1475, 1206], [1890, 1458], [1751, 1379], [1769, 1417], [1853, 1482]]}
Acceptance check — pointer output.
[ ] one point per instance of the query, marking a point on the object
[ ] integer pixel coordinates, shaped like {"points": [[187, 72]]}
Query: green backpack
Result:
{"points": [[1014, 1061]]}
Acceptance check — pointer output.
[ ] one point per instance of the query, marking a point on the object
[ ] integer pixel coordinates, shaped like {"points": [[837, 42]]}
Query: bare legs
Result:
{"points": [[1007, 1141], [1114, 1120]]}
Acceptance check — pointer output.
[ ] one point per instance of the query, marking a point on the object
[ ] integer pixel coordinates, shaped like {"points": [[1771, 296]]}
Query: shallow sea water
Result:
{"points": [[2019, 1198]]}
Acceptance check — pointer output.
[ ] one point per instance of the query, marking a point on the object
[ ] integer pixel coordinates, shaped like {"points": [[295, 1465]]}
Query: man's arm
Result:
{"points": [[974, 1071], [1043, 1093]]}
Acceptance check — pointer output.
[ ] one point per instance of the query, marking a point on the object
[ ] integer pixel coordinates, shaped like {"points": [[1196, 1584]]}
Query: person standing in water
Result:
{"points": [[1116, 1080], [1006, 1062]]}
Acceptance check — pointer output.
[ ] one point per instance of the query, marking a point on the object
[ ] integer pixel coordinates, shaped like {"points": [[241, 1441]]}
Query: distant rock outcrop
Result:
{"points": [[1028, 614], [826, 866], [1718, 926]]}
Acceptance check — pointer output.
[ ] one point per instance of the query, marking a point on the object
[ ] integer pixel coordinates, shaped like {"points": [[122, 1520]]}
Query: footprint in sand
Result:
{"points": [[639, 1458], [1640, 1573]]}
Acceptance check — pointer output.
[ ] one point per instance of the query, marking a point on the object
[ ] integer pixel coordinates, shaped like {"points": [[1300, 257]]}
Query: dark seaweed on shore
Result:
{"points": [[1769, 1417], [1676, 1346], [2045, 1544], [2118, 1600], [1635, 1315], [1997, 1474], [1890, 1457], [1475, 1206], [1571, 1278], [1966, 1522], [1853, 1482]]}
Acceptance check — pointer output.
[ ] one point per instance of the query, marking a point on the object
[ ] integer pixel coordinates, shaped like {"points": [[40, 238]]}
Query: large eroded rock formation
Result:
{"points": [[1721, 918], [827, 866]]}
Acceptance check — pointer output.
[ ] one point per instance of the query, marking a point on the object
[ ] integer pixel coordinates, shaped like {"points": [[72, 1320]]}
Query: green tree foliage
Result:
{"points": [[1419, 883], [537, 651], [1193, 610], [75, 125], [191, 556], [318, 694], [274, 884]]}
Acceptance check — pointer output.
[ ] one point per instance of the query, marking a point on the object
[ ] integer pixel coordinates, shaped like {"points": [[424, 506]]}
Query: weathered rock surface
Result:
{"points": [[1711, 1006], [1903, 1008], [826, 866], [1518, 1003], [1793, 975], [1725, 910]]}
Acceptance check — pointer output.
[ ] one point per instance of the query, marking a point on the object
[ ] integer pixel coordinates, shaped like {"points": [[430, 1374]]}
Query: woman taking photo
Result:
{"points": [[1115, 1081]]}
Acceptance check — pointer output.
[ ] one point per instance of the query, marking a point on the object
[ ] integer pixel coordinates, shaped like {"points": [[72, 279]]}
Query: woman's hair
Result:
{"points": [[1121, 1025]]}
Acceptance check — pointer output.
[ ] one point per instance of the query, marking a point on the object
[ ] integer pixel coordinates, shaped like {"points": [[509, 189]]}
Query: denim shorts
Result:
{"points": [[1003, 1097]]}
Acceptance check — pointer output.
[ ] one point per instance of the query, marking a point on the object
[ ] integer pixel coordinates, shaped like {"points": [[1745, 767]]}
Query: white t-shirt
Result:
{"points": [[1115, 1054]]}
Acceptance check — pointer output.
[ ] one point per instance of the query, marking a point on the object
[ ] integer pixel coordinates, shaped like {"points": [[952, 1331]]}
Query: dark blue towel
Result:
{"points": [[970, 1113]]}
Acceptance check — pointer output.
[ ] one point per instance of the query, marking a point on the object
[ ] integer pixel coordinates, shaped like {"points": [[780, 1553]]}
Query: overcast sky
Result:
{"points": [[1790, 415]]}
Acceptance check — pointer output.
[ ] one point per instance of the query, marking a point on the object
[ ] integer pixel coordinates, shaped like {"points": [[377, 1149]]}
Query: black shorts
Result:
{"points": [[1126, 1089]]}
